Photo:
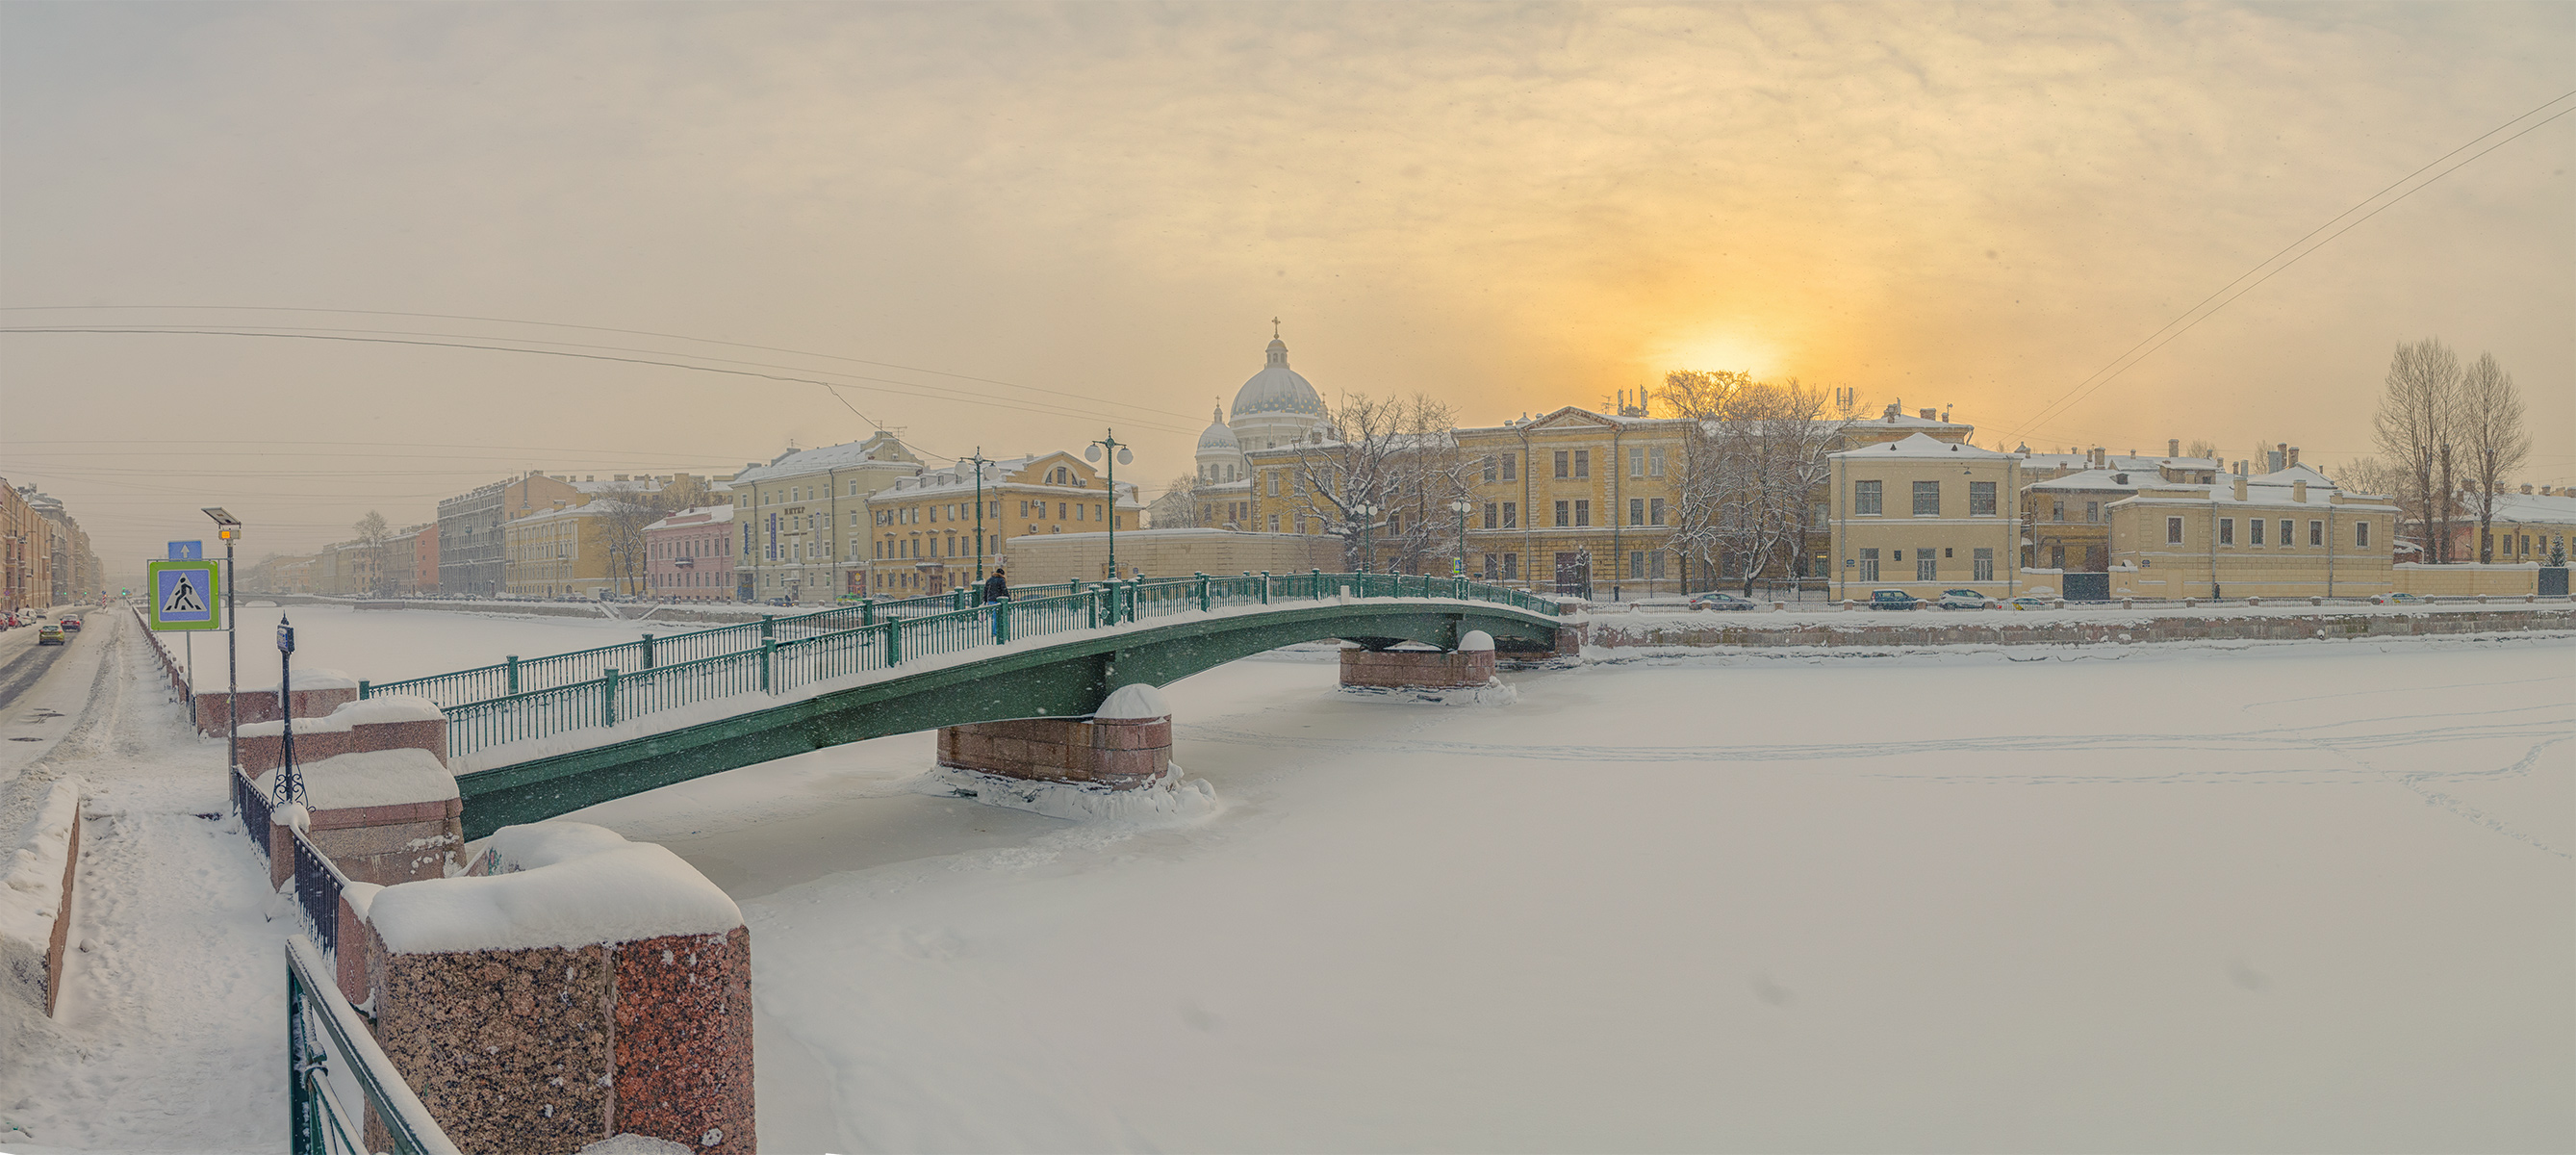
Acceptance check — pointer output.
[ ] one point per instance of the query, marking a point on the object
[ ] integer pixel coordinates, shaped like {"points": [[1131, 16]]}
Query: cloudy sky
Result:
{"points": [[1015, 226]]}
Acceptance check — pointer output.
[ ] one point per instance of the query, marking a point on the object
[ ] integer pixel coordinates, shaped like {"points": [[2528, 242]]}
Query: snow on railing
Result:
{"points": [[317, 1122], [786, 654]]}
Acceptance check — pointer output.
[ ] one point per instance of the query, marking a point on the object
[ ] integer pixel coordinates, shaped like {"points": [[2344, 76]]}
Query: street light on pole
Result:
{"points": [[1367, 513], [1460, 507], [980, 461], [229, 529], [1117, 455]]}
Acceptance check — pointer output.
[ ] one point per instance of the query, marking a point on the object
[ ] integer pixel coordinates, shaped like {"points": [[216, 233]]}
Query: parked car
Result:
{"points": [[1965, 600], [2397, 599], [2029, 602], [49, 634], [72, 624], [1893, 600], [1720, 601]]}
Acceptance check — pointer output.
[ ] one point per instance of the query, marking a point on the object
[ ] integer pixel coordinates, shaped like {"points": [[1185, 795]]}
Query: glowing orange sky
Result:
{"points": [[1511, 208]]}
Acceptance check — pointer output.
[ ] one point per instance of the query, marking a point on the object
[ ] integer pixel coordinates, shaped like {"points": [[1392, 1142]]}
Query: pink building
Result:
{"points": [[689, 555], [424, 560]]}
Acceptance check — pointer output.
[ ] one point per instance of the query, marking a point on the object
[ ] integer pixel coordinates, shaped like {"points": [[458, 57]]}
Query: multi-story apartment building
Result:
{"points": [[561, 552], [2288, 533], [71, 569], [928, 536], [26, 554], [472, 550], [801, 522], [2066, 497], [2533, 525], [424, 560], [689, 555], [1924, 515], [1574, 500]]}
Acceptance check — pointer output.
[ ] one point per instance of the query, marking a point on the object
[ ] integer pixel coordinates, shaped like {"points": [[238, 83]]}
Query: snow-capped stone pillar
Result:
{"points": [[1471, 664], [588, 987], [1570, 635], [384, 816], [1125, 745], [317, 692]]}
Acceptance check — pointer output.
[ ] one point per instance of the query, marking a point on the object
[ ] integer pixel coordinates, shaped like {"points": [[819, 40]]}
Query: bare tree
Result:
{"points": [[2492, 440], [1178, 508], [2416, 430], [2366, 475], [1398, 455], [2202, 447], [624, 510], [372, 532], [1751, 469]]}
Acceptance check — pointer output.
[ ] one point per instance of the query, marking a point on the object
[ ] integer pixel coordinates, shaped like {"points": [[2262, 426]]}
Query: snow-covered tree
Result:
{"points": [[1753, 470], [1398, 455]]}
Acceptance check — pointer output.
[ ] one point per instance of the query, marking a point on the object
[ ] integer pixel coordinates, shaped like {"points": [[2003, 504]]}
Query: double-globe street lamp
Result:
{"points": [[1366, 513], [1460, 507], [1117, 453]]}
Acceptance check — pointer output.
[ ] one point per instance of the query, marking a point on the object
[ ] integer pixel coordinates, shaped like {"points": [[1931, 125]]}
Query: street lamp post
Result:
{"points": [[1117, 454], [1367, 513], [1460, 507], [228, 528], [980, 462]]}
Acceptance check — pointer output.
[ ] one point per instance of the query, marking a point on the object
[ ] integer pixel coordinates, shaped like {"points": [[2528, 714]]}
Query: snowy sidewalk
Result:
{"points": [[172, 1030]]}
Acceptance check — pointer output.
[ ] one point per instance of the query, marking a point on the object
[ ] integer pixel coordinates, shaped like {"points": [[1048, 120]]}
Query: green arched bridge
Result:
{"points": [[537, 738]]}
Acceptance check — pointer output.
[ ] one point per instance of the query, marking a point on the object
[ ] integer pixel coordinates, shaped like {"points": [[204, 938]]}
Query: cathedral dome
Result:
{"points": [[1218, 436], [1277, 389]]}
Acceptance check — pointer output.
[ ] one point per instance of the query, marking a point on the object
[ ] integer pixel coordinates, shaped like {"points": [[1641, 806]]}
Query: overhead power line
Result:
{"points": [[2192, 317]]}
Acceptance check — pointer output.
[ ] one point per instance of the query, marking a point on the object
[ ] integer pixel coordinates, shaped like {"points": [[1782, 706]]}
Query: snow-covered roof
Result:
{"points": [[961, 476], [697, 516], [558, 514], [2277, 489], [1277, 388], [2534, 508], [878, 449], [2039, 462], [1216, 436], [2100, 479], [1920, 445]]}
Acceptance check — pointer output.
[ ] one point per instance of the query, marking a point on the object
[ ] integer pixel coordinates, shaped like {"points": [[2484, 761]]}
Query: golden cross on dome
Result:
{"points": [[1274, 327]]}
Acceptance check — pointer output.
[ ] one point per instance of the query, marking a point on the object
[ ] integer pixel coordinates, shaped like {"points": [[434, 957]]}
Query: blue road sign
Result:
{"points": [[185, 596], [187, 550]]}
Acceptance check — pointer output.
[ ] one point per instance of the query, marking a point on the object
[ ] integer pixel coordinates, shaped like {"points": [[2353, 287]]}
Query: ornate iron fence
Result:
{"points": [[782, 655]]}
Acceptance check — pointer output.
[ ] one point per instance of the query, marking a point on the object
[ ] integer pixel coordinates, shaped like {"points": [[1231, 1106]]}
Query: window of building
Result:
{"points": [[1493, 513], [1274, 523], [1926, 567], [1636, 511], [2316, 533], [1868, 565], [1511, 515], [2254, 531], [2361, 534], [1493, 566], [1927, 499], [1583, 463], [1564, 513], [2226, 531], [2286, 535], [1636, 461], [2056, 511], [1655, 461], [1654, 511], [1563, 463], [1491, 468], [1582, 513], [1637, 563], [2173, 531], [1866, 497], [1981, 499], [1511, 466], [1985, 565], [1511, 566]]}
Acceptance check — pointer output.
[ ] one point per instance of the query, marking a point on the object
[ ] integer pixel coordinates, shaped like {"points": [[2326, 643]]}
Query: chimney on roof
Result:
{"points": [[2526, 488], [2173, 447], [2294, 456], [1927, 415], [2240, 487], [2277, 458]]}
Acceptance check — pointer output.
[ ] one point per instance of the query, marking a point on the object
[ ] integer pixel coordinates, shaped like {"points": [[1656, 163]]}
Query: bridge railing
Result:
{"points": [[791, 654]]}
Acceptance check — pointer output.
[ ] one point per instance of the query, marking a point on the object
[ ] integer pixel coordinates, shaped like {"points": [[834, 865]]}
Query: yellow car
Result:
{"points": [[49, 634]]}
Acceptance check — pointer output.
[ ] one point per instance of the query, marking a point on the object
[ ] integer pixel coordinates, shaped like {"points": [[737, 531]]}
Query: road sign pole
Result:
{"points": [[232, 673]]}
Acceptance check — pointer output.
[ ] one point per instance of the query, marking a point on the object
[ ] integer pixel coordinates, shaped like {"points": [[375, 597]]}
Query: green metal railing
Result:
{"points": [[588, 689]]}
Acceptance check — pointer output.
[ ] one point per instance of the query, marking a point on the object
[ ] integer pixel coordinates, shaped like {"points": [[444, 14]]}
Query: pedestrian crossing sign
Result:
{"points": [[185, 596]]}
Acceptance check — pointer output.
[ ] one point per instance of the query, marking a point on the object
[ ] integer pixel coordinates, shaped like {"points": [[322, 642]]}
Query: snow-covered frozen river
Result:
{"points": [[2266, 896], [2241, 896]]}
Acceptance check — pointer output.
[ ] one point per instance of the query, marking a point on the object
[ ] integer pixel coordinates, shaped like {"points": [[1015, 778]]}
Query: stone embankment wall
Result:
{"points": [[2465, 579], [1926, 628]]}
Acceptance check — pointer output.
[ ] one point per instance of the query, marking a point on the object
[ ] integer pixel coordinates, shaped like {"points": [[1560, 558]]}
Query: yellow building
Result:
{"points": [[2285, 534], [1924, 515], [803, 524], [1576, 502], [559, 553], [926, 528]]}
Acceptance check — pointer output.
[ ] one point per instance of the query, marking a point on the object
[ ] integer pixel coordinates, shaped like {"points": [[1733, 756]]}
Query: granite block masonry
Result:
{"points": [[317, 692], [587, 987], [1107, 749]]}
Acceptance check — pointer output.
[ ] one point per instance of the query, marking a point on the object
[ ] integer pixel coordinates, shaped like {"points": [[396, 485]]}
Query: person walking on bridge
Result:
{"points": [[995, 589]]}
